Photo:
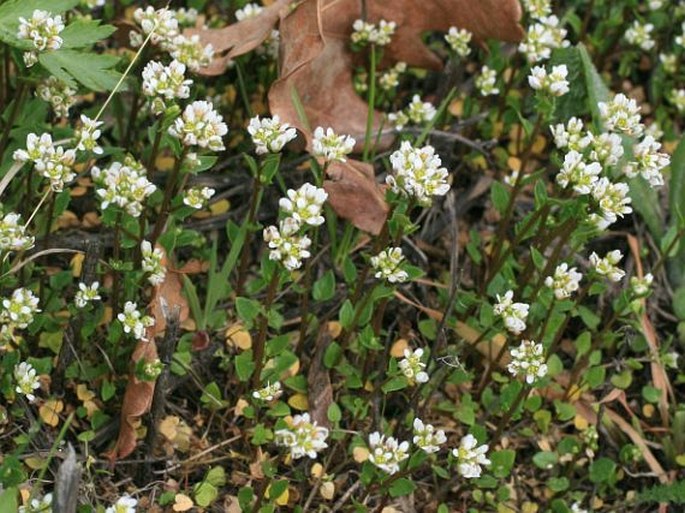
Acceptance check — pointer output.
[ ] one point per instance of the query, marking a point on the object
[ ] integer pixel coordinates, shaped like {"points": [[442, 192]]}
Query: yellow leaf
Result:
{"points": [[596, 503], [360, 454], [240, 407], [77, 264], [317, 470], [291, 371], [35, 462], [50, 411], [83, 393], [219, 207], [529, 507], [580, 422], [514, 163], [680, 460], [182, 502], [77, 191], [168, 427], [501, 508], [456, 107], [282, 500], [334, 329], [165, 162], [237, 336], [398, 347], [648, 410], [539, 145], [299, 402], [327, 490]]}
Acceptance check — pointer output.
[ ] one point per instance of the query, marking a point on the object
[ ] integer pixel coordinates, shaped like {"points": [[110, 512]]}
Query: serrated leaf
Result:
{"points": [[90, 69], [84, 32]]}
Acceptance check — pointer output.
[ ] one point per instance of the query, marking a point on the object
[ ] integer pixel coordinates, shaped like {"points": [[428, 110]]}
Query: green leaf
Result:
{"points": [[332, 355], [334, 413], [84, 32], [596, 88], [90, 69], [558, 484], [8, 500], [324, 287], [502, 462], [244, 366], [216, 476], [205, 493], [211, 396], [646, 203], [401, 487], [500, 196], [346, 314], [278, 488], [602, 470], [394, 384], [248, 309], [676, 267], [545, 460]]}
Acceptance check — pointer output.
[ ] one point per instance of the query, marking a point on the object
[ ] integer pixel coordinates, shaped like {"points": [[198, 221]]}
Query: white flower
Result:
{"points": [[426, 436], [303, 437], [621, 114], [270, 392], [670, 62], [190, 51], [286, 246], [581, 176], [564, 282], [571, 136], [398, 119], [42, 29], [607, 149], [608, 265], [269, 135], [575, 508], [419, 111], [19, 309], [486, 81], [86, 294], [390, 79], [88, 134], [542, 38], [513, 314], [197, 197], [58, 94], [54, 163], [649, 162], [459, 40], [677, 98], [330, 146], [124, 185], [185, 17], [641, 286], [471, 457], [134, 321], [613, 200], [305, 205], [387, 265], [412, 367], [37, 148], [125, 504], [653, 5], [162, 21], [200, 125], [418, 173], [249, 11], [152, 263], [361, 31], [165, 83], [38, 505], [554, 83], [13, 236], [641, 35], [364, 32], [528, 359], [27, 380], [538, 8], [387, 453]]}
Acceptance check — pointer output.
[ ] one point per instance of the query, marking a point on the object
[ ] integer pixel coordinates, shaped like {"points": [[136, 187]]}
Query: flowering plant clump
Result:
{"points": [[303, 437]]}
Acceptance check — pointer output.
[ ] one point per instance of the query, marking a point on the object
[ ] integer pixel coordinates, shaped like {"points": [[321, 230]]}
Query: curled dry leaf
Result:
{"points": [[355, 195], [139, 393]]}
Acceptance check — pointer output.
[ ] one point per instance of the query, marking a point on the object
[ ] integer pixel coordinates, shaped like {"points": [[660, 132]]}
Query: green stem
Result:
{"points": [[19, 95], [259, 347], [372, 104], [168, 195]]}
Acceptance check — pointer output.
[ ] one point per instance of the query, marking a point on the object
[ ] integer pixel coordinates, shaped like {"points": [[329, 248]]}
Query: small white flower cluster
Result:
{"points": [[390, 78], [677, 98], [200, 125], [471, 457], [513, 314], [387, 453], [417, 112], [330, 146], [162, 21], [538, 9], [608, 265], [124, 185], [92, 4], [554, 83], [641, 286], [134, 321], [303, 437], [87, 294], [87, 135], [459, 40], [388, 265], [576, 508], [649, 162], [270, 135], [426, 437], [564, 282], [249, 11], [606, 148], [542, 37], [270, 392], [577, 173], [152, 263], [17, 312], [190, 51], [43, 30], [165, 83], [655, 5], [13, 236], [58, 94], [528, 359], [571, 135], [54, 163], [381, 34], [412, 367], [613, 201], [680, 40], [125, 504], [669, 61], [304, 208], [640, 34], [27, 380], [38, 505], [486, 81], [197, 197], [418, 173], [622, 115]]}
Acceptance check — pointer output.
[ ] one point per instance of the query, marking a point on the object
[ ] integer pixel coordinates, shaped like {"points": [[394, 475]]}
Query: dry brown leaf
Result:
{"points": [[355, 195], [50, 410], [238, 38], [320, 391], [182, 502]]}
